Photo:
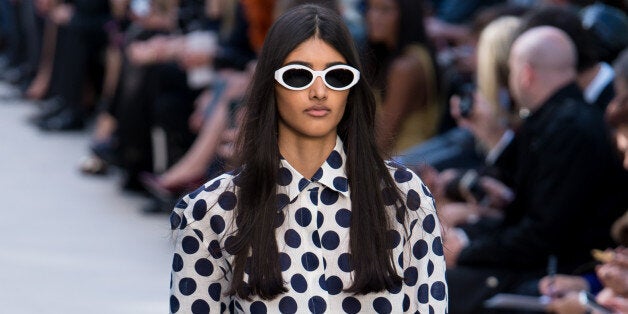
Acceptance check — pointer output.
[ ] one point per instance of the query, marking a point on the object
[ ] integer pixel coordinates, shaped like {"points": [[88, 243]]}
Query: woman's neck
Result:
{"points": [[306, 155]]}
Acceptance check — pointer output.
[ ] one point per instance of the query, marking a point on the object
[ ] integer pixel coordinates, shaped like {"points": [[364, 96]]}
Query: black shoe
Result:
{"points": [[66, 120], [157, 206], [47, 109]]}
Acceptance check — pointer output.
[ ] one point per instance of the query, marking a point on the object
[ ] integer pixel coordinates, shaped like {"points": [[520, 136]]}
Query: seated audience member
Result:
{"points": [[566, 178], [405, 74], [594, 77]]}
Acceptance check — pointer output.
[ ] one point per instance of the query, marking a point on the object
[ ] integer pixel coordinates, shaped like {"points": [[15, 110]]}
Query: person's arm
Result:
{"points": [[406, 88], [553, 201], [423, 252], [199, 266]]}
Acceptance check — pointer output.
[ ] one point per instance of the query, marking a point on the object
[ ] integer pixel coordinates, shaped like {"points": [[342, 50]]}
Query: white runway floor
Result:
{"points": [[71, 243]]}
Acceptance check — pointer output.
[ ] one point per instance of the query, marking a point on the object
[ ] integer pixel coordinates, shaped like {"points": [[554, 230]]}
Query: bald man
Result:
{"points": [[565, 179]]}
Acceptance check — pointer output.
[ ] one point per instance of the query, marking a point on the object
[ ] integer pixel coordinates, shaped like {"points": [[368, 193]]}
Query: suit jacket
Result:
{"points": [[569, 185]]}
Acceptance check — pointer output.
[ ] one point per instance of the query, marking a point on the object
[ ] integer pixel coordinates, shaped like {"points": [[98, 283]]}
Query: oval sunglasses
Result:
{"points": [[299, 77]]}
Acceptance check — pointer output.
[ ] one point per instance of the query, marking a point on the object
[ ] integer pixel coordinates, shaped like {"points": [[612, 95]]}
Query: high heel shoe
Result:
{"points": [[167, 193]]}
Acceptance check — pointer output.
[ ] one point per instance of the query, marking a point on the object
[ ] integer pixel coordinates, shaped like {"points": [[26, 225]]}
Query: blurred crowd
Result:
{"points": [[513, 112]]}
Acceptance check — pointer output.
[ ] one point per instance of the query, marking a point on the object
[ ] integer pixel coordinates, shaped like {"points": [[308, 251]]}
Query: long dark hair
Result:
{"points": [[257, 208]]}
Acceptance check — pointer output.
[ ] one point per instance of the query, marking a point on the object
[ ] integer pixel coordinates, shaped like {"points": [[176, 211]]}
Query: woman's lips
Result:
{"points": [[317, 111]]}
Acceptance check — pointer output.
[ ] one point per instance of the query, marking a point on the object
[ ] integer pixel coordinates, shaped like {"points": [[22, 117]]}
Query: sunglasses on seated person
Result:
{"points": [[299, 77]]}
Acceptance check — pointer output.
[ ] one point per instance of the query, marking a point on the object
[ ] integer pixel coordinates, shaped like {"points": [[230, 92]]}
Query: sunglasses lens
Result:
{"points": [[297, 77], [339, 78]]}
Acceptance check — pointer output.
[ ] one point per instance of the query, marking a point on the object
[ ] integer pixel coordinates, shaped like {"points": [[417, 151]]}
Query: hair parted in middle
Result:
{"points": [[259, 159]]}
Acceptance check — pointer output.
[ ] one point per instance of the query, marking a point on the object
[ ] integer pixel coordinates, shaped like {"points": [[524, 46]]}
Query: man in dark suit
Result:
{"points": [[565, 177]]}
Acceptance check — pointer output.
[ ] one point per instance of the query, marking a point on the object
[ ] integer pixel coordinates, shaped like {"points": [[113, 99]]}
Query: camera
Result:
{"points": [[466, 99], [467, 183]]}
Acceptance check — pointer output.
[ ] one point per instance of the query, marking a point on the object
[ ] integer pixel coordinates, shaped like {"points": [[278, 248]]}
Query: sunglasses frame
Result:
{"points": [[279, 76]]}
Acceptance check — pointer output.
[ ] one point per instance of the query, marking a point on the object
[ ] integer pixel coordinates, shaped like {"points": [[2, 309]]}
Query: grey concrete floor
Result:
{"points": [[70, 243]]}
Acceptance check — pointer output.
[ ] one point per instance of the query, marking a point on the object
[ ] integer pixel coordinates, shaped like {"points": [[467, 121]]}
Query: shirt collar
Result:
{"points": [[332, 174]]}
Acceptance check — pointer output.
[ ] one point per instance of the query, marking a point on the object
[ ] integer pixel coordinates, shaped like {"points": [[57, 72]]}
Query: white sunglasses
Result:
{"points": [[299, 77]]}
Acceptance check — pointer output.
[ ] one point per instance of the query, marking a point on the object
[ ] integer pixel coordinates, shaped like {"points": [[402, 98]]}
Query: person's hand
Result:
{"points": [[611, 300], [484, 121], [456, 214], [452, 246], [193, 59], [62, 14], [561, 285], [568, 304], [615, 277], [499, 195]]}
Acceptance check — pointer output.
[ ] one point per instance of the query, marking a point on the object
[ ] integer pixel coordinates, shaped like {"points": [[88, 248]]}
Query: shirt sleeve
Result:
{"points": [[424, 272], [200, 271]]}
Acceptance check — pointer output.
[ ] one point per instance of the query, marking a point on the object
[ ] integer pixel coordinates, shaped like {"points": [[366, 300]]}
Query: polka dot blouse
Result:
{"points": [[313, 241]]}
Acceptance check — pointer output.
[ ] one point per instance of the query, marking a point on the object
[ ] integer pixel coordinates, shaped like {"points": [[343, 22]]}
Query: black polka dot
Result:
{"points": [[175, 220], [199, 234], [322, 283], [334, 285], [214, 249], [389, 196], [341, 184], [181, 204], [343, 217], [393, 238], [200, 307], [430, 268], [400, 260], [287, 305], [317, 305], [344, 262], [351, 305], [303, 183], [284, 261], [382, 305], [284, 176], [184, 222], [310, 261], [431, 310], [426, 191], [196, 192], [303, 217], [292, 238], [329, 196], [282, 201], [177, 262], [413, 200], [410, 276], [230, 245], [420, 249], [334, 160], [423, 294], [217, 223], [214, 291], [213, 186], [402, 175], [187, 286], [189, 245], [298, 283], [316, 239], [199, 210], [318, 175], [429, 223], [174, 304], [437, 246], [438, 290], [314, 195], [319, 220], [279, 218], [330, 240], [406, 303], [258, 307], [204, 267], [227, 200]]}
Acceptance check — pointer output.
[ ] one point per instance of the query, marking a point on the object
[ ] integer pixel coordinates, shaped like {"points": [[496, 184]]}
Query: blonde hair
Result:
{"points": [[493, 49]]}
